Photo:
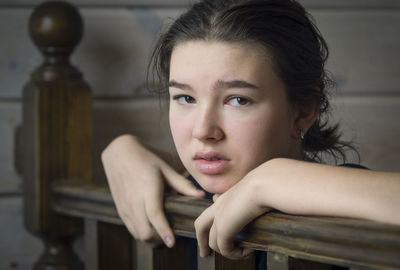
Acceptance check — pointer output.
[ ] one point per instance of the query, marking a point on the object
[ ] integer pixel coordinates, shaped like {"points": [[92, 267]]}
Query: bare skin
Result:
{"points": [[237, 134], [306, 188], [137, 180]]}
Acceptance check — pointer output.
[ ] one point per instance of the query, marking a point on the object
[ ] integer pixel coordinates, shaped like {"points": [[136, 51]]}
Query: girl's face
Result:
{"points": [[228, 111]]}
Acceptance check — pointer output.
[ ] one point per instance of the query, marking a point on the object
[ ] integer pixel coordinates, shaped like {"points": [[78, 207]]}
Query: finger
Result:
{"points": [[238, 253], [226, 246], [181, 184], [136, 222], [202, 225], [154, 208], [215, 197], [145, 232], [161, 225], [130, 228], [212, 241]]}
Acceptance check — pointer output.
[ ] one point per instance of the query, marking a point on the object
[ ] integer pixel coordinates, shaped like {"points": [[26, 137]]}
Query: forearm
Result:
{"points": [[298, 187], [136, 146]]}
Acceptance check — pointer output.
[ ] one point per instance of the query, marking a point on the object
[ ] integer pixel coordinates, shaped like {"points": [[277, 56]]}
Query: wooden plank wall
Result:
{"points": [[364, 37]]}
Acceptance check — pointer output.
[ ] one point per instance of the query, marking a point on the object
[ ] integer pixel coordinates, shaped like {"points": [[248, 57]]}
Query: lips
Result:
{"points": [[211, 163]]}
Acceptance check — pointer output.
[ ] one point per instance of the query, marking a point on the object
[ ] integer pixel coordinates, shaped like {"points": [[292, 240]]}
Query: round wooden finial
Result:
{"points": [[55, 27]]}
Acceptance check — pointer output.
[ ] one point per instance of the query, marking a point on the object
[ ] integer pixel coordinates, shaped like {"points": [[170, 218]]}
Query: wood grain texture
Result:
{"points": [[114, 247], [217, 262], [338, 241], [57, 131], [57, 119], [277, 261], [161, 257], [58, 135], [170, 258]]}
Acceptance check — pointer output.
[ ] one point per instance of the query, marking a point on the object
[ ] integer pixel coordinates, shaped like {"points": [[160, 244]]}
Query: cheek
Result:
{"points": [[253, 139], [180, 129], [262, 138], [174, 126]]}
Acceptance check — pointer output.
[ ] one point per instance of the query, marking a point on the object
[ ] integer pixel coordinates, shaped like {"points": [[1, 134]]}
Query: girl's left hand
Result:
{"points": [[218, 225]]}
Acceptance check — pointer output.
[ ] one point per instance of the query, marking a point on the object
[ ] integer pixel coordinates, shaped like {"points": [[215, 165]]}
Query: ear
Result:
{"points": [[305, 116]]}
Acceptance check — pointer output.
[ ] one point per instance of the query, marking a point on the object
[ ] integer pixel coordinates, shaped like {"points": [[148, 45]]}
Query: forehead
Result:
{"points": [[218, 49], [199, 62]]}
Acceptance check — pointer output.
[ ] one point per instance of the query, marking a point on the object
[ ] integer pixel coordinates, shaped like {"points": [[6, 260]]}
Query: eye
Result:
{"points": [[184, 99], [238, 101]]}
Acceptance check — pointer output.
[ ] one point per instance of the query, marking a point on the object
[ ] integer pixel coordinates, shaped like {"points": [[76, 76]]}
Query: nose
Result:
{"points": [[207, 126]]}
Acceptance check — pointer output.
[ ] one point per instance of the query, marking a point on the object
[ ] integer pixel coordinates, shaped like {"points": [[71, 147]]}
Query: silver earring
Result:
{"points": [[301, 134]]}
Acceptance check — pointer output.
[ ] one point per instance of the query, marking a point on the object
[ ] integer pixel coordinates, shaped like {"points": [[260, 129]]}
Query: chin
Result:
{"points": [[215, 184]]}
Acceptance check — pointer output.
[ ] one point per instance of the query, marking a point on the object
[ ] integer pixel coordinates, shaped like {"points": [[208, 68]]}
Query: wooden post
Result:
{"points": [[57, 130], [277, 261], [217, 262], [91, 244], [161, 257]]}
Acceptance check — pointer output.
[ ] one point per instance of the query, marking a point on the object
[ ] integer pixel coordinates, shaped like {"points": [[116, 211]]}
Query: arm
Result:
{"points": [[137, 178], [306, 188], [297, 187]]}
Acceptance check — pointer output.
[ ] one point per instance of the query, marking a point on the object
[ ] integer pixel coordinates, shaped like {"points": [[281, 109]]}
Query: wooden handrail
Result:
{"points": [[340, 241]]}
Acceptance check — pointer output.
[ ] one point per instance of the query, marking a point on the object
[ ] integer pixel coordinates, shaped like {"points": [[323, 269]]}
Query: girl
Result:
{"points": [[247, 91]]}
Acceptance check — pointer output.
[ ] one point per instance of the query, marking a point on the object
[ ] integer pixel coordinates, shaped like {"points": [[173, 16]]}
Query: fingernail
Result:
{"points": [[168, 241]]}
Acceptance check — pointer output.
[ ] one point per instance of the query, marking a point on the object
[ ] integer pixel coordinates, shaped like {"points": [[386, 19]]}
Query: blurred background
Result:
{"points": [[364, 41]]}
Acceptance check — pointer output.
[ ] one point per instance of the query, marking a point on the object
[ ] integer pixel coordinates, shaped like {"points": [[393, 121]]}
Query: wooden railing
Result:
{"points": [[286, 238], [58, 138]]}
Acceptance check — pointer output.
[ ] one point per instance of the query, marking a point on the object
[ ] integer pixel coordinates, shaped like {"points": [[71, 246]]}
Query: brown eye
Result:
{"points": [[238, 101], [189, 99], [184, 99]]}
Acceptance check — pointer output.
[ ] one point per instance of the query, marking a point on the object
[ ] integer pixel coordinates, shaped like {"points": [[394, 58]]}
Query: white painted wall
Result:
{"points": [[364, 38]]}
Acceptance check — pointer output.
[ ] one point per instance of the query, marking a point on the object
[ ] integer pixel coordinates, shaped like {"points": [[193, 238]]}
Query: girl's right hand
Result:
{"points": [[136, 178]]}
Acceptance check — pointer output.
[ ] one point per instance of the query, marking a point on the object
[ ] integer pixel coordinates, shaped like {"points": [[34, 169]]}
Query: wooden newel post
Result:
{"points": [[57, 126]]}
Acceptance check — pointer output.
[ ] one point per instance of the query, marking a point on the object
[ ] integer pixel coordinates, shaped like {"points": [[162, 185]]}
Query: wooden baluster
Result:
{"points": [[91, 244], [206, 263], [277, 261], [217, 262], [280, 261], [115, 247], [57, 128], [161, 258]]}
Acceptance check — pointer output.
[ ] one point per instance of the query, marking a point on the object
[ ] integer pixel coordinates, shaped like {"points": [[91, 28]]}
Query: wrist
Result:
{"points": [[272, 182]]}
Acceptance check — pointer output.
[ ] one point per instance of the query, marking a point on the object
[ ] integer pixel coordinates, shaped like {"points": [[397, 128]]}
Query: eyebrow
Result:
{"points": [[218, 85], [182, 86], [234, 84]]}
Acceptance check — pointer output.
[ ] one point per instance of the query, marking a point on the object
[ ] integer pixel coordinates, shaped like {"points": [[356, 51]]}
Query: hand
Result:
{"points": [[298, 188], [218, 225], [136, 178]]}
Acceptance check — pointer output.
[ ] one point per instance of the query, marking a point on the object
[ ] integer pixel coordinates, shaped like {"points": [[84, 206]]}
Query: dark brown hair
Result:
{"points": [[287, 32]]}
